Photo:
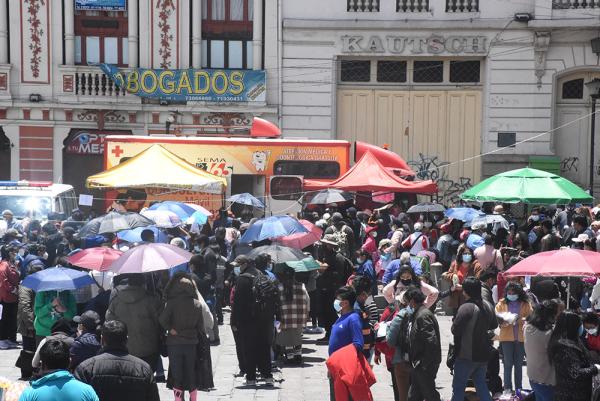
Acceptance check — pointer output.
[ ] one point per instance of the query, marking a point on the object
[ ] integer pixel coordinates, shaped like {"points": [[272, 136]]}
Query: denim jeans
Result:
{"points": [[465, 369], [543, 392], [514, 355]]}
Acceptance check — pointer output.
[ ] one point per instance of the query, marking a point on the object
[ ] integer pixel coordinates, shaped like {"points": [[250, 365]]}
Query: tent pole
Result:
{"points": [[568, 292]]}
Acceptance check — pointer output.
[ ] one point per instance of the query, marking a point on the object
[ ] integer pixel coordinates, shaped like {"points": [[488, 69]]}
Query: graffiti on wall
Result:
{"points": [[449, 188], [569, 164]]}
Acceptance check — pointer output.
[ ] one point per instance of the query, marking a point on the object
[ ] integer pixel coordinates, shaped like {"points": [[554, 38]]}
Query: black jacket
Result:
{"points": [[84, 347], [574, 372], [470, 329], [425, 346], [117, 376], [242, 310]]}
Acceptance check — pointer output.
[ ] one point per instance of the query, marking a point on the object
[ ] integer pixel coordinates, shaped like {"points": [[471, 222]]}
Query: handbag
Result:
{"points": [[451, 357]]}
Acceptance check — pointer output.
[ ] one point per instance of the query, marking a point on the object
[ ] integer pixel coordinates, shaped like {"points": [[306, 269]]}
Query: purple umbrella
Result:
{"points": [[150, 257]]}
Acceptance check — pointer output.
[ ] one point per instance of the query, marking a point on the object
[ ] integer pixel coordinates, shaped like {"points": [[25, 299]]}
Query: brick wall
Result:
{"points": [[35, 153]]}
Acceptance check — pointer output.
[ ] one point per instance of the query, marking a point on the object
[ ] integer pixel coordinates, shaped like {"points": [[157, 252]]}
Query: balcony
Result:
{"points": [[575, 4], [90, 83], [412, 6], [462, 6], [362, 6]]}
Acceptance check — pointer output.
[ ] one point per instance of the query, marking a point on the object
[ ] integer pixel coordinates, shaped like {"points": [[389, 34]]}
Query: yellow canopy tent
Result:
{"points": [[156, 167]]}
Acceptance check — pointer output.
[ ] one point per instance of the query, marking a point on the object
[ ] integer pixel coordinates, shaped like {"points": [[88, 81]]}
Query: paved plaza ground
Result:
{"points": [[298, 383]]}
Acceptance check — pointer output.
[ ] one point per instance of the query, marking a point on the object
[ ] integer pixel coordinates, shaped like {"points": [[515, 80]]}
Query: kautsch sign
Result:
{"points": [[414, 45]]}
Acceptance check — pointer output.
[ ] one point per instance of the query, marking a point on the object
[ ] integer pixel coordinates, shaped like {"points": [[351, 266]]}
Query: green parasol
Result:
{"points": [[527, 185], [304, 265]]}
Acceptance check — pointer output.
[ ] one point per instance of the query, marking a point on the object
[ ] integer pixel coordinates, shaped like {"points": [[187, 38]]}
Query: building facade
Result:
{"points": [[462, 89], [56, 104]]}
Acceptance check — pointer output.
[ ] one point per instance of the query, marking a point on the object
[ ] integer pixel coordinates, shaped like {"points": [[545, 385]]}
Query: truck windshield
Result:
{"points": [[27, 206]]}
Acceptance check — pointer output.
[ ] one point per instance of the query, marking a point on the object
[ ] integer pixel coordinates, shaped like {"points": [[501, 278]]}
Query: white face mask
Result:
{"points": [[592, 332], [45, 255]]}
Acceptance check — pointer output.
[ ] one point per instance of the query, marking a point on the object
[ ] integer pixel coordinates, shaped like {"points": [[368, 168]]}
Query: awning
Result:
{"points": [[368, 174], [156, 167], [387, 158]]}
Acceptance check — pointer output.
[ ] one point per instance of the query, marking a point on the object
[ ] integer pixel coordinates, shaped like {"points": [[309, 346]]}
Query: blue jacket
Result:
{"points": [[346, 330], [84, 347], [366, 269], [59, 385]]}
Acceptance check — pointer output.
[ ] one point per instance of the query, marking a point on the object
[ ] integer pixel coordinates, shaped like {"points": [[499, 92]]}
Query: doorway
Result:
{"points": [[5, 156]]}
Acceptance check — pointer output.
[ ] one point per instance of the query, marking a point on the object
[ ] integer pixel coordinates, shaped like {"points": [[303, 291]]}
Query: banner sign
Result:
{"points": [[207, 85], [105, 5], [89, 142]]}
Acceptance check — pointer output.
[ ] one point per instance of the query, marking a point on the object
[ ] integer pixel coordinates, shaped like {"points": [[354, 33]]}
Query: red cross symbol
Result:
{"points": [[117, 151]]}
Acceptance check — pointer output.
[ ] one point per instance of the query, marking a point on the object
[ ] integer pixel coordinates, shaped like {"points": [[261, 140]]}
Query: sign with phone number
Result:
{"points": [[220, 169]]}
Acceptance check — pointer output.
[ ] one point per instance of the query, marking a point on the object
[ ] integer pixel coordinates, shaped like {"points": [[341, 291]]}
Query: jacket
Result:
{"points": [[25, 314], [294, 312], [44, 311], [118, 376], [9, 282], [470, 329], [574, 372], [84, 347], [182, 312], [424, 336], [506, 331], [456, 297], [396, 332], [351, 375], [539, 368], [139, 310], [58, 385], [243, 310], [486, 294]]}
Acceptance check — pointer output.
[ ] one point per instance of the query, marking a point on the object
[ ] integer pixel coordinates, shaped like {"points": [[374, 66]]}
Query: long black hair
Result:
{"points": [[567, 328], [406, 268], [543, 315]]}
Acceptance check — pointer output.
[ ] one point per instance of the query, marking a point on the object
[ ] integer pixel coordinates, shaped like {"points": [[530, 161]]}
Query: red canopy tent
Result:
{"points": [[368, 174]]}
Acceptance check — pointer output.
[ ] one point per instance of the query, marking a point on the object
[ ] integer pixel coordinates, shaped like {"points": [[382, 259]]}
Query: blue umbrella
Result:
{"points": [[465, 214], [179, 208], [57, 279], [135, 235], [272, 227], [197, 217], [246, 199]]}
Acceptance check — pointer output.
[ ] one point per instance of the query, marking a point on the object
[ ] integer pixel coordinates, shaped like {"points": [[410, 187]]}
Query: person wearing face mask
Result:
{"points": [[417, 241], [396, 336], [9, 287], [591, 322], [406, 278], [86, 344], [347, 329], [464, 266], [364, 267], [570, 359], [475, 238], [515, 305]]}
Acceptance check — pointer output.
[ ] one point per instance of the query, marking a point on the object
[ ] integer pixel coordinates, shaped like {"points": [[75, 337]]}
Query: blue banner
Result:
{"points": [[106, 5], [191, 84]]}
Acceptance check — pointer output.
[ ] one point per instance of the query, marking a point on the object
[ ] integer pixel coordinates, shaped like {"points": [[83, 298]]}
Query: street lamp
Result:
{"points": [[594, 89]]}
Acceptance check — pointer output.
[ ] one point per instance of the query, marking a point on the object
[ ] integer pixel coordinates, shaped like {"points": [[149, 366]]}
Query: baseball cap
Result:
{"points": [[241, 260], [89, 319]]}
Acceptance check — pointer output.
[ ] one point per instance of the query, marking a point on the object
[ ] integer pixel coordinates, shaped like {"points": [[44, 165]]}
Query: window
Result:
{"points": [[573, 89], [101, 37], [286, 188], [391, 71], [308, 169], [507, 139], [355, 71], [428, 71], [227, 33], [465, 71]]}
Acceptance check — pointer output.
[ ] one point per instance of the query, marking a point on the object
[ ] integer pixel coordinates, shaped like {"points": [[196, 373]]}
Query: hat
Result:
{"points": [[336, 217], [445, 228], [240, 260], [418, 226], [329, 239], [7, 211], [12, 232], [498, 209], [88, 319], [385, 243], [326, 216], [478, 225], [581, 238]]}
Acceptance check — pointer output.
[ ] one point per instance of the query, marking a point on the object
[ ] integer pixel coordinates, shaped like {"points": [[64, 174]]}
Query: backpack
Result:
{"points": [[341, 238], [266, 293]]}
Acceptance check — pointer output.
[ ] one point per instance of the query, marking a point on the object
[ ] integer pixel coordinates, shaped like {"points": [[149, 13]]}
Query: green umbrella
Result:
{"points": [[527, 185], [304, 265]]}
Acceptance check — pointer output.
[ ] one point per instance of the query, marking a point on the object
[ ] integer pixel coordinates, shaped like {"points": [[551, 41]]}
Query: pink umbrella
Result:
{"points": [[99, 259], [150, 257], [302, 240], [564, 262]]}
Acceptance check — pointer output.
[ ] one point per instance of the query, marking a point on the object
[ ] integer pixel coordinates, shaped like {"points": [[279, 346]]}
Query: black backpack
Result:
{"points": [[266, 293]]}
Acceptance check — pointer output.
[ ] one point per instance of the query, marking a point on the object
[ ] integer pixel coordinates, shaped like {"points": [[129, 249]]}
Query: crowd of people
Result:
{"points": [[384, 276]]}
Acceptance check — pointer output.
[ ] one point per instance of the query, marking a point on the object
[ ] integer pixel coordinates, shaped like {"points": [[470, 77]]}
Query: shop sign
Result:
{"points": [[105, 5], [414, 45], [208, 85], [89, 142]]}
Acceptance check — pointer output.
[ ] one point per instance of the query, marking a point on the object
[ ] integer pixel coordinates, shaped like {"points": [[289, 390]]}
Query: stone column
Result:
{"points": [[196, 33], [257, 30], [3, 33], [132, 21]]}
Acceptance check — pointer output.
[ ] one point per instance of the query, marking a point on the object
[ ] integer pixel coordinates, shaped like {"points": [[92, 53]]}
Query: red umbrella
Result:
{"points": [[302, 240], [98, 259], [564, 262]]}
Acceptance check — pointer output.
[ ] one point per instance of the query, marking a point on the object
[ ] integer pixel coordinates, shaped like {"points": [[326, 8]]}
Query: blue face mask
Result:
{"points": [[581, 330], [386, 256], [337, 305], [409, 310], [356, 306], [467, 258], [359, 261], [512, 297], [237, 270]]}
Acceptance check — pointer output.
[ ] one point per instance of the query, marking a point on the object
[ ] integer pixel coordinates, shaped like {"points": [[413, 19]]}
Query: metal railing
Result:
{"points": [[362, 5], [462, 6], [92, 82], [412, 6]]}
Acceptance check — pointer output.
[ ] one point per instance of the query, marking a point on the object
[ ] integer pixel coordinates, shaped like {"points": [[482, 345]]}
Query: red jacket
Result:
{"points": [[593, 342], [351, 375], [9, 282]]}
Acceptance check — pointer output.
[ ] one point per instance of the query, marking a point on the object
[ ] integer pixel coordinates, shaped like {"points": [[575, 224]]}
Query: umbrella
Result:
{"points": [[150, 257], [135, 235], [183, 210], [57, 279], [527, 185], [198, 217], [272, 227], [246, 199], [328, 196], [426, 207], [163, 218], [302, 240], [278, 253], [98, 259], [114, 222], [305, 265], [497, 221], [465, 214], [199, 208]]}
